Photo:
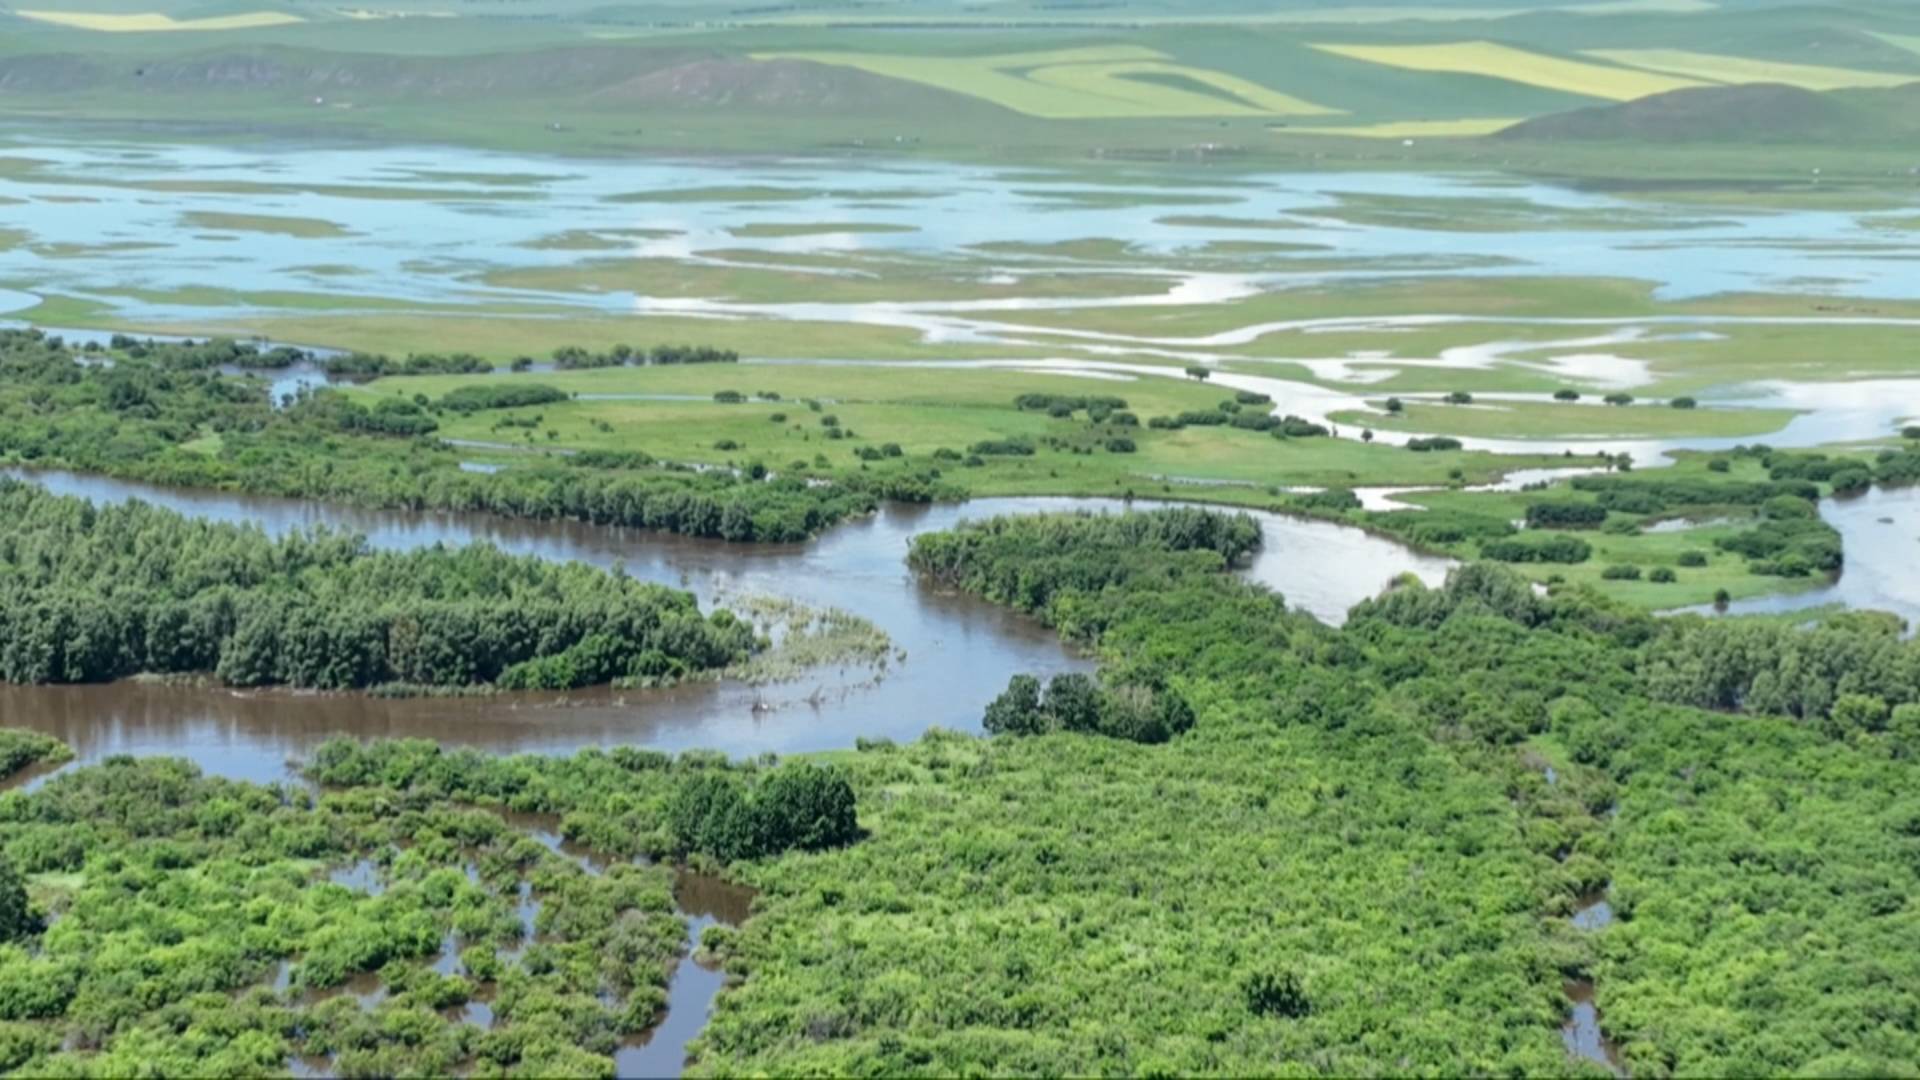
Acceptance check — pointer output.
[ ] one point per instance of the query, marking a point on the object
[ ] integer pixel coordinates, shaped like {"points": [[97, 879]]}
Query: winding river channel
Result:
{"points": [[959, 652], [955, 654]]}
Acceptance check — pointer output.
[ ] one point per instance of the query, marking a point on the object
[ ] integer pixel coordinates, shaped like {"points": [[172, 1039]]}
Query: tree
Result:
{"points": [[809, 807], [1073, 702], [1277, 994], [1395, 405], [1856, 713], [1566, 395], [1198, 372], [1017, 710], [1459, 397], [1903, 730], [16, 920]]}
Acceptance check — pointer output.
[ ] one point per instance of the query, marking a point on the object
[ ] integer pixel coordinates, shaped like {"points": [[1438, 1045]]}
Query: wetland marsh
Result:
{"points": [[1391, 370]]}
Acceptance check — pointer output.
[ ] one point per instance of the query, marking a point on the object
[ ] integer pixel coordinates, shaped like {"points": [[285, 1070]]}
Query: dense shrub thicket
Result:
{"points": [[198, 932], [1537, 549], [1387, 780]]}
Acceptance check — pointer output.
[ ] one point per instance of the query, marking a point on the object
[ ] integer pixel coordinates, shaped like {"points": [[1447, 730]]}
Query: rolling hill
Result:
{"points": [[1757, 113]]}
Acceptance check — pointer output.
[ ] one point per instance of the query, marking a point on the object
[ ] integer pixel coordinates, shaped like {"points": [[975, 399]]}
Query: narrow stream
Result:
{"points": [[1582, 1034]]}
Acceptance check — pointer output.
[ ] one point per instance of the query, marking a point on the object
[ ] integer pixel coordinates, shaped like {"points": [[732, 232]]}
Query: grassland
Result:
{"points": [[1223, 82], [664, 277], [1646, 549], [1494, 60], [1414, 129], [782, 229], [670, 413]]}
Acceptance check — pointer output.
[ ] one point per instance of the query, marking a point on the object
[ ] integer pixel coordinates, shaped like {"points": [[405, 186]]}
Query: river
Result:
{"points": [[959, 652]]}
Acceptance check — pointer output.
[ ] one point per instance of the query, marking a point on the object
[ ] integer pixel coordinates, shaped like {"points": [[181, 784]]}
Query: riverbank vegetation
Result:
{"points": [[91, 594], [797, 449], [143, 419]]}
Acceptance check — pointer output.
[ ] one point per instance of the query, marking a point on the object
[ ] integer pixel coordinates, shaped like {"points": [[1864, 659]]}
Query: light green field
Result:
{"points": [[597, 239], [1737, 69], [1493, 214], [1529, 420], [1104, 82], [1498, 61], [1228, 221], [1738, 354], [269, 224], [926, 409], [751, 193]]}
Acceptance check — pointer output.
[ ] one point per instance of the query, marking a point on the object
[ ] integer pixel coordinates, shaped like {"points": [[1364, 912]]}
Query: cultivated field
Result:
{"points": [[1115, 82], [1497, 61]]}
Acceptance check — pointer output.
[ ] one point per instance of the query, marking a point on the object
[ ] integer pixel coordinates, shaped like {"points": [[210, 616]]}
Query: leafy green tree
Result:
{"points": [[1277, 994], [1072, 703], [16, 918], [1017, 710]]}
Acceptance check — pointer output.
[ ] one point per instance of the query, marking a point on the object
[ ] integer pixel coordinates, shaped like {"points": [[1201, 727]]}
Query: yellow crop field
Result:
{"points": [[1097, 83], [1517, 65], [1739, 69], [151, 22], [1159, 99], [1414, 129]]}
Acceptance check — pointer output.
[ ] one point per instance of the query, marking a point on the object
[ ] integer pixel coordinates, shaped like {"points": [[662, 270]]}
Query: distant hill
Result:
{"points": [[592, 75], [1760, 112]]}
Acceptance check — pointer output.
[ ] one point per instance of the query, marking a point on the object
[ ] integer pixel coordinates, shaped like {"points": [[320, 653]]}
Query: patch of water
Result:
{"points": [[1582, 1034], [419, 248], [361, 876], [1593, 911]]}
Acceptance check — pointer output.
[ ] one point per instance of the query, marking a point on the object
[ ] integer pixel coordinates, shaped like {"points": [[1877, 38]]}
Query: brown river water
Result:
{"points": [[960, 652]]}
